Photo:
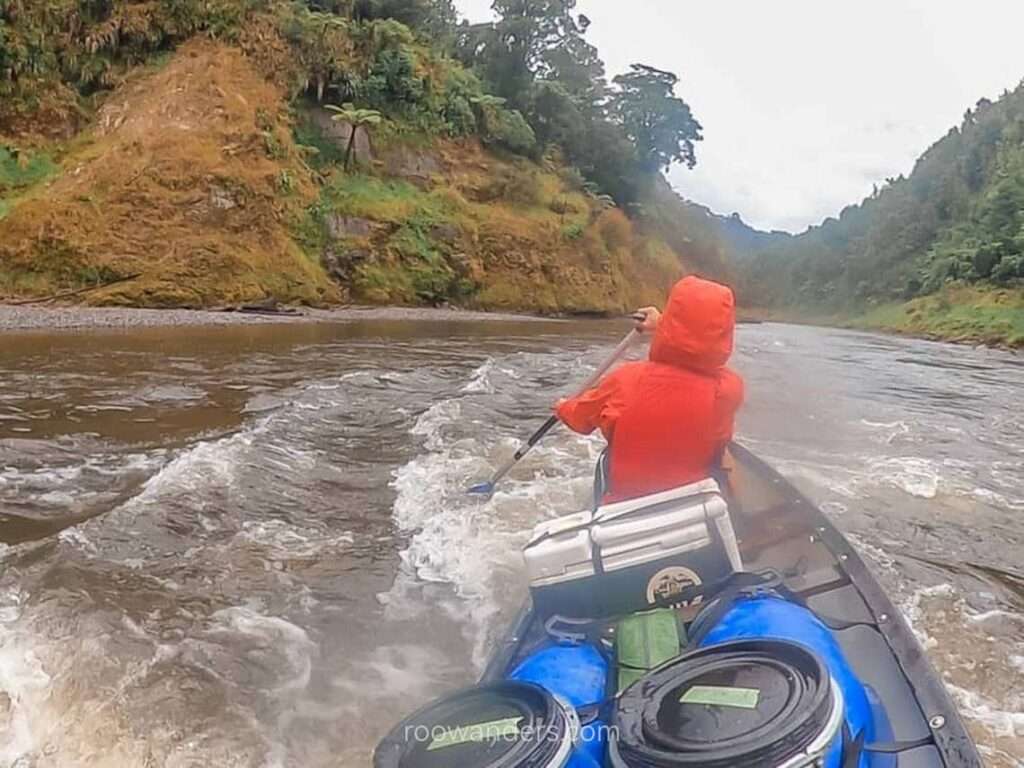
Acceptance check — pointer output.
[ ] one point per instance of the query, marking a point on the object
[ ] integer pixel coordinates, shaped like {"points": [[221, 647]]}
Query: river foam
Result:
{"points": [[23, 684], [975, 651], [472, 543]]}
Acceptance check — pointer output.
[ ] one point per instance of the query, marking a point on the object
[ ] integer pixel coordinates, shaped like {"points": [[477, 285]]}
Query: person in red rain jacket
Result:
{"points": [[668, 420]]}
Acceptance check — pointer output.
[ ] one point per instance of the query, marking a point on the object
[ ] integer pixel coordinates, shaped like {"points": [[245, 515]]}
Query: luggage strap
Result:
{"points": [[575, 632], [854, 748], [725, 591]]}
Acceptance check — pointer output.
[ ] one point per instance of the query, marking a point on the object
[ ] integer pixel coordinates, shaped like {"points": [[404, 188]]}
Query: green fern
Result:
{"points": [[357, 119]]}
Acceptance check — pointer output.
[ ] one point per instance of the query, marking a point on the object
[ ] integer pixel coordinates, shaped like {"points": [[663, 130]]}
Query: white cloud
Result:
{"points": [[806, 104]]}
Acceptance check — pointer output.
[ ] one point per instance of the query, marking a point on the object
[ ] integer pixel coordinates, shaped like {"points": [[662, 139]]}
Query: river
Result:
{"points": [[270, 556]]}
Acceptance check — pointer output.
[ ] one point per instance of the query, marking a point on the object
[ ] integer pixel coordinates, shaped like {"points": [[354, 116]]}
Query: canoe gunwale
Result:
{"points": [[947, 728]]}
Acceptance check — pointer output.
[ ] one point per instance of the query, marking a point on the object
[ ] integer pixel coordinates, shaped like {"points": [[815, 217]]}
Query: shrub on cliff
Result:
{"points": [[52, 51], [190, 180]]}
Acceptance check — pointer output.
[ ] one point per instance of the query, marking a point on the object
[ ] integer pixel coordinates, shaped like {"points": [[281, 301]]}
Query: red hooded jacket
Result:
{"points": [[668, 420]]}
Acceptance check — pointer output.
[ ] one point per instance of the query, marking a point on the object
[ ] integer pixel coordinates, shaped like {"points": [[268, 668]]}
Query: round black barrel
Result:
{"points": [[506, 725], [745, 704]]}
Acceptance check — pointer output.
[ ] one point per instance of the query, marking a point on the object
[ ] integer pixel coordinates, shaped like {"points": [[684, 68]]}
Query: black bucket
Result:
{"points": [[506, 725], [746, 704]]}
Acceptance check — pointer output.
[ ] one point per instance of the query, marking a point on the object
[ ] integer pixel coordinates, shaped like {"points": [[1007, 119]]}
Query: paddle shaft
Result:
{"points": [[537, 436]]}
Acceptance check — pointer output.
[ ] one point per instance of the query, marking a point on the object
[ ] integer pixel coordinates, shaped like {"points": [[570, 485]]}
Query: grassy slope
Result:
{"points": [[189, 176], [958, 313]]}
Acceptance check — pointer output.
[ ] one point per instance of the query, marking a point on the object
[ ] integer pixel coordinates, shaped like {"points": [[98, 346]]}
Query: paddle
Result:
{"points": [[487, 489]]}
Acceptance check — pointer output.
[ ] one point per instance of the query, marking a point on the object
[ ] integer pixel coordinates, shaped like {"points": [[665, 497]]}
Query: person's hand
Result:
{"points": [[647, 319]]}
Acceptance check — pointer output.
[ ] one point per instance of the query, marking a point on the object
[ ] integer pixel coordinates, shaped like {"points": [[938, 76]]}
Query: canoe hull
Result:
{"points": [[780, 529]]}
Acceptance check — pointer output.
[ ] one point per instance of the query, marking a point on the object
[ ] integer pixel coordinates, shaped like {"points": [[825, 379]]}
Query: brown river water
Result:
{"points": [[250, 546]]}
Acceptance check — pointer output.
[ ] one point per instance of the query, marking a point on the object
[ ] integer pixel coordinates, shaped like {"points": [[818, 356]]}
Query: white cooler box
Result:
{"points": [[629, 556]]}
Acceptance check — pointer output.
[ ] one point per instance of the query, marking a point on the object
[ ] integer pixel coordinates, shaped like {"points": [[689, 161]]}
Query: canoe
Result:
{"points": [[779, 529]]}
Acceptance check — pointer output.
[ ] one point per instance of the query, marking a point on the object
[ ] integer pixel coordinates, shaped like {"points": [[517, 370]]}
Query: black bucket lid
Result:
{"points": [[505, 725], [745, 704]]}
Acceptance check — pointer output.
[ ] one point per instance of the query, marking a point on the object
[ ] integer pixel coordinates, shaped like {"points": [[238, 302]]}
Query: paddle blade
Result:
{"points": [[483, 489]]}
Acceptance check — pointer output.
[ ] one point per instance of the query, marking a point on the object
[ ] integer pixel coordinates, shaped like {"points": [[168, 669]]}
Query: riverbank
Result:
{"points": [[29, 318], [959, 314]]}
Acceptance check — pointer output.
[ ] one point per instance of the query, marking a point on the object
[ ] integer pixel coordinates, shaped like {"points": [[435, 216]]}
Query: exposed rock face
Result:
{"points": [[469, 267], [221, 198], [339, 227], [445, 233], [341, 262], [340, 132], [418, 166]]}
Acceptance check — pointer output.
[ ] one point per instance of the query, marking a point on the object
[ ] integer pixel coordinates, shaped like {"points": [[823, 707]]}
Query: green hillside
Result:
{"points": [[953, 230], [201, 152]]}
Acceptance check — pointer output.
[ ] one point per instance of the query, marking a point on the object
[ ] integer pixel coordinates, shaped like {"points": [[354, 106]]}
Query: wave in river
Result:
{"points": [[975, 650], [23, 682], [473, 543]]}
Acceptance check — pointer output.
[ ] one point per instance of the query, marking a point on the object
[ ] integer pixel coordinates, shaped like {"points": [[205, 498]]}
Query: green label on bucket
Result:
{"points": [[721, 696], [492, 731]]}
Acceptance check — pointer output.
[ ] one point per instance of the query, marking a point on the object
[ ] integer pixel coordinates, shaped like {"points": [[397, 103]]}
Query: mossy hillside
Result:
{"points": [[487, 230], [23, 169], [20, 170], [196, 177]]}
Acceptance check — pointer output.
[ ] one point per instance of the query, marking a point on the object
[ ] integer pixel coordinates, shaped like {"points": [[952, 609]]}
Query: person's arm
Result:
{"points": [[583, 413], [596, 408]]}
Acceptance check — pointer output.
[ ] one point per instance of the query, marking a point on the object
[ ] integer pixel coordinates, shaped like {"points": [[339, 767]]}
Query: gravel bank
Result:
{"points": [[30, 318]]}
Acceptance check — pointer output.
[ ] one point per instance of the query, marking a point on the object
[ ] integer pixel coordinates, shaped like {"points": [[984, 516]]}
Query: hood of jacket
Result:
{"points": [[696, 329]]}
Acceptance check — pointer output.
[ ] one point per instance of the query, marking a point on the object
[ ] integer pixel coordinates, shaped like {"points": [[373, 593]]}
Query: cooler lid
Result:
{"points": [[560, 526], [668, 531], [695, 499]]}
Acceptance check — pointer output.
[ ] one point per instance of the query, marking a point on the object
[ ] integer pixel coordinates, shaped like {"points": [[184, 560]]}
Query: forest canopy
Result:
{"points": [[529, 82]]}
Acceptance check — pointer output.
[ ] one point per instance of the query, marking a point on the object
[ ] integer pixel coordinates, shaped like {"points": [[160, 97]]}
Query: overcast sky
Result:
{"points": [[807, 103]]}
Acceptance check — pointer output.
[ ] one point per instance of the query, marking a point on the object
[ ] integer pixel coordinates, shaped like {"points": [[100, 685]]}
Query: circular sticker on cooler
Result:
{"points": [[670, 582]]}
